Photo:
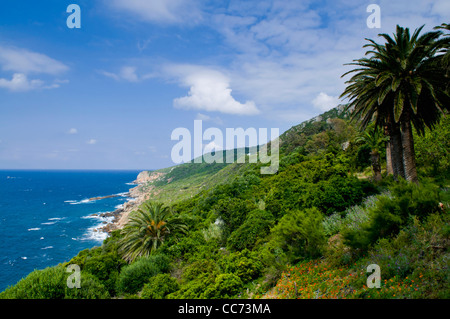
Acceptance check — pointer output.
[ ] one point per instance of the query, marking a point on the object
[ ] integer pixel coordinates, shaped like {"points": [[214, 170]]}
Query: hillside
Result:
{"points": [[183, 181], [309, 231]]}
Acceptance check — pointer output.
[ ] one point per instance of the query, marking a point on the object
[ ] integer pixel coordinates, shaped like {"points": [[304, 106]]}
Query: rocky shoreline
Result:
{"points": [[137, 195]]}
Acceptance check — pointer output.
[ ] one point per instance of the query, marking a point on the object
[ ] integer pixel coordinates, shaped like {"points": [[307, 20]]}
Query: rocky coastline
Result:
{"points": [[137, 196]]}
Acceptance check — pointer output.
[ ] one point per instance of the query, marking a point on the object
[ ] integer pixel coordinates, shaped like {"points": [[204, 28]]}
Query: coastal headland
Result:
{"points": [[137, 194]]}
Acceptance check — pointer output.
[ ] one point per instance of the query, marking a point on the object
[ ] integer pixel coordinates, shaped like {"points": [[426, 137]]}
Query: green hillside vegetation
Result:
{"points": [[308, 231], [186, 180], [249, 231]]}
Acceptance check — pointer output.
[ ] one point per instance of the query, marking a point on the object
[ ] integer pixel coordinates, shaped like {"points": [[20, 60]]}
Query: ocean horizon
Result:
{"points": [[47, 217]]}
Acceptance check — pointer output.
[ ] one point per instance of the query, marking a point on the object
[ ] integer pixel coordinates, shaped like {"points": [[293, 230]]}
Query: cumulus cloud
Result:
{"points": [[160, 11], [72, 131], [325, 102], [209, 90]]}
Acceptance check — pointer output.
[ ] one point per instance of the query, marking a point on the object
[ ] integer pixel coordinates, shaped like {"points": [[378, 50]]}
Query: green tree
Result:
{"points": [[147, 228], [400, 84]]}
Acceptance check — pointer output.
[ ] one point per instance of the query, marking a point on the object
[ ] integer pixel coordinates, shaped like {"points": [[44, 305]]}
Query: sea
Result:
{"points": [[47, 217]]}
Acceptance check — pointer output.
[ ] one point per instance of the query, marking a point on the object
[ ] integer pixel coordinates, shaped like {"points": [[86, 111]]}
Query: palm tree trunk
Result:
{"points": [[396, 151], [389, 169], [376, 166], [409, 157]]}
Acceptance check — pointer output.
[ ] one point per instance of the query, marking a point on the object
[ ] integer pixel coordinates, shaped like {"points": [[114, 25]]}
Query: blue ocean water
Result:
{"points": [[45, 216]]}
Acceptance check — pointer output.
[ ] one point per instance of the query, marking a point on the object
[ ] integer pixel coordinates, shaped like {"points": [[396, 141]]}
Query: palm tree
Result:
{"points": [[446, 50], [400, 85], [374, 139], [367, 107], [147, 228]]}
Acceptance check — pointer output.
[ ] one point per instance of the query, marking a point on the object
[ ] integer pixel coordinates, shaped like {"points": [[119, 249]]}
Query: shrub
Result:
{"points": [[225, 286], [244, 264], [391, 212], [300, 233], [255, 228], [91, 288], [338, 193], [106, 268], [198, 268], [159, 286], [133, 277], [48, 283], [51, 283]]}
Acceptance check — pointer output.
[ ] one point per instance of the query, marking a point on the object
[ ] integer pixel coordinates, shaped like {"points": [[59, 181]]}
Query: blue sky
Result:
{"points": [[108, 95]]}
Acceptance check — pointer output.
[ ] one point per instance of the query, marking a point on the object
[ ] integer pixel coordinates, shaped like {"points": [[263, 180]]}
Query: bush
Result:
{"points": [[106, 268], [194, 289], [300, 233], [225, 286], [133, 277], [51, 283], [391, 213], [159, 286], [244, 264], [339, 193], [91, 288], [198, 268], [48, 283], [255, 228]]}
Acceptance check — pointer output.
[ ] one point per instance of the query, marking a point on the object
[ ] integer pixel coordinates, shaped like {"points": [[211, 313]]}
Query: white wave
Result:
{"points": [[41, 238], [48, 223], [95, 216], [83, 201], [94, 234], [130, 183], [36, 228], [118, 206], [24, 258], [123, 194], [48, 247], [57, 218]]}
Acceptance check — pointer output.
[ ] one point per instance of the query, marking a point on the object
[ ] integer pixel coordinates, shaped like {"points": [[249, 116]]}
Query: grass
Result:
{"points": [[186, 180]]}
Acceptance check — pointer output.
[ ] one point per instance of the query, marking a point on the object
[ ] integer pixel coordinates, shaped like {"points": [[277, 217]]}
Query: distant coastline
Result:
{"points": [[137, 196]]}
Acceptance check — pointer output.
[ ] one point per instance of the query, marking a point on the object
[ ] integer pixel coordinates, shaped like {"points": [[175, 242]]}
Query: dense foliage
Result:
{"points": [[308, 231]]}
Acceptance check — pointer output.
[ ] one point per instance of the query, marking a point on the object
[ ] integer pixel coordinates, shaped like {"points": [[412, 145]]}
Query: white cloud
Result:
{"points": [[24, 61], [92, 141], [285, 53], [72, 131], [160, 11], [127, 73], [325, 102], [20, 82], [209, 90]]}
